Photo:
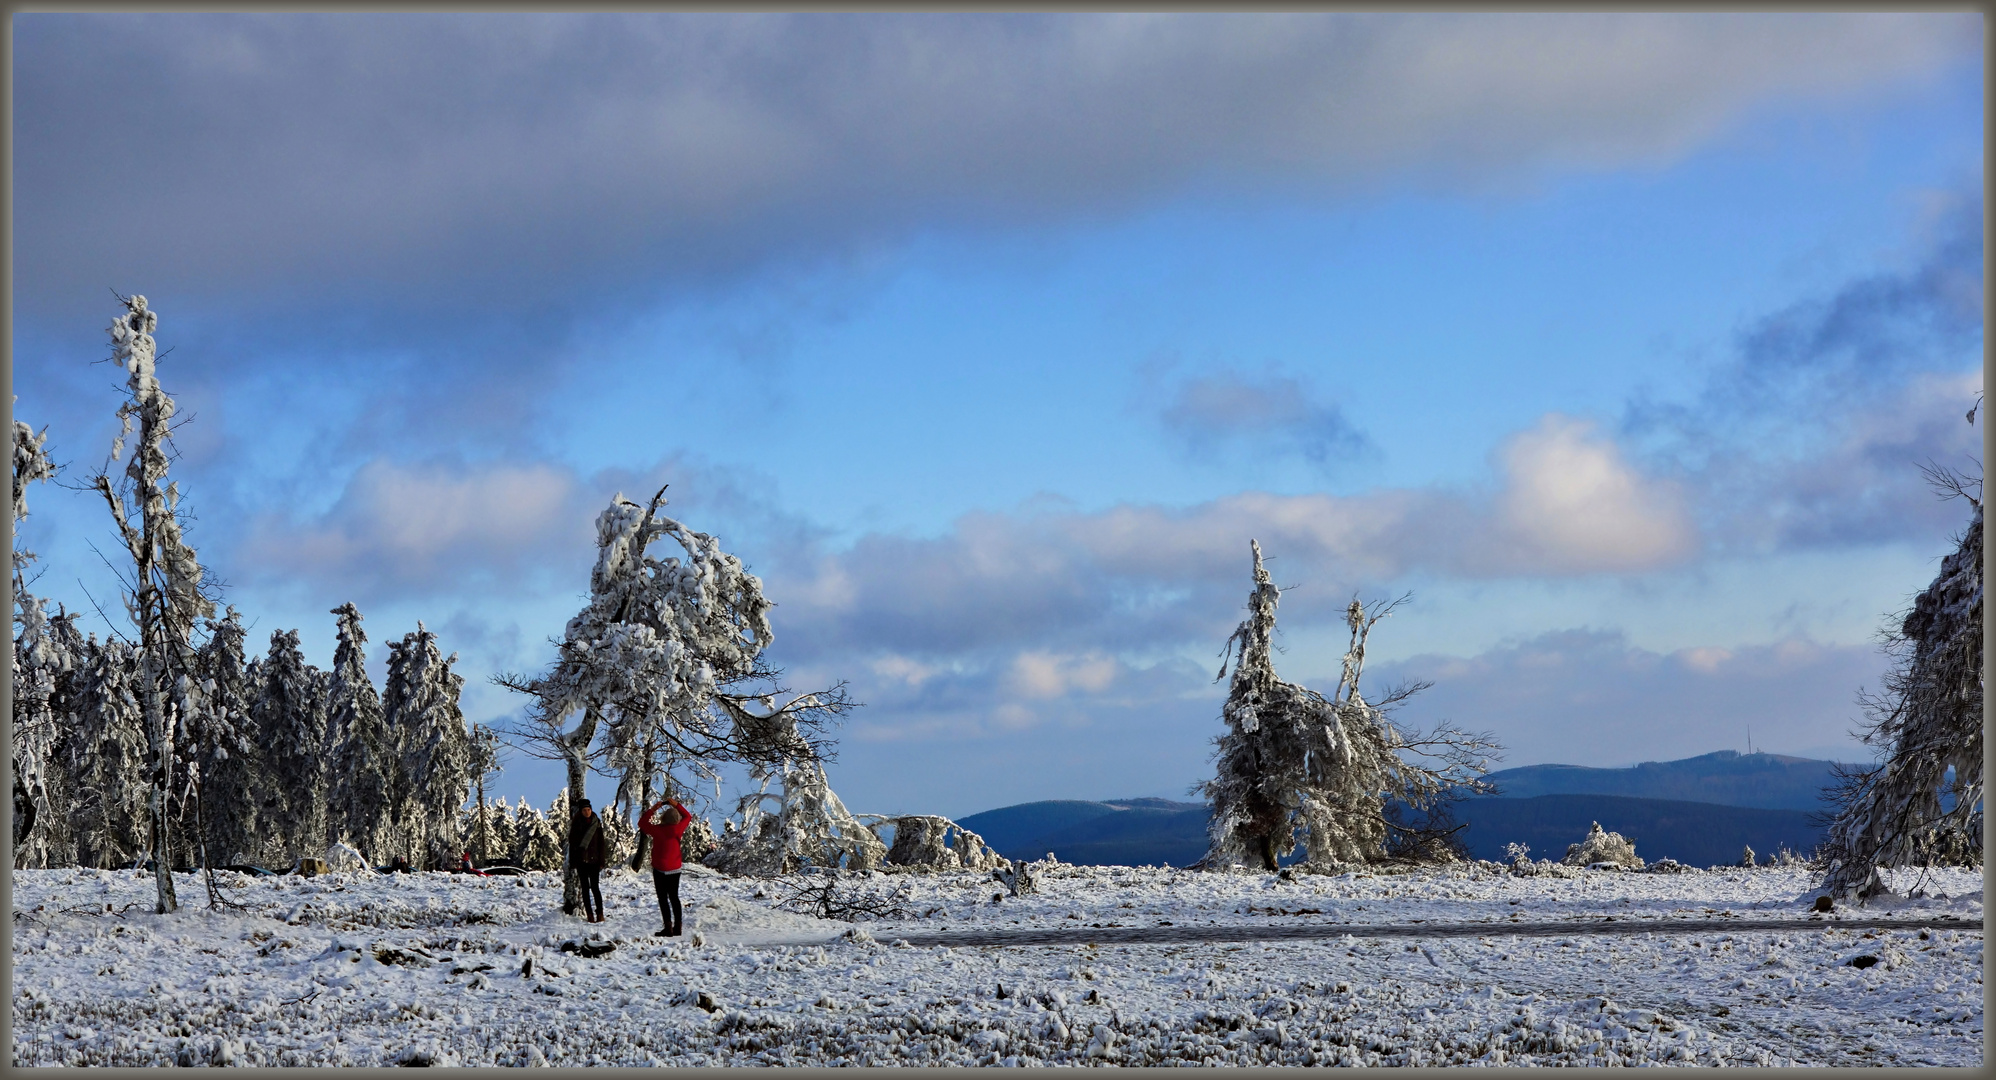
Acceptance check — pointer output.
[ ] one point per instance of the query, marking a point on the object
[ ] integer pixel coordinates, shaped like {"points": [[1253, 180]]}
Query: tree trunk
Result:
{"points": [[482, 842], [161, 729], [573, 748]]}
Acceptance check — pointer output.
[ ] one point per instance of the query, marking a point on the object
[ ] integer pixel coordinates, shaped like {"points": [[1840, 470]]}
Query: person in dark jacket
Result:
{"points": [[665, 823], [588, 850]]}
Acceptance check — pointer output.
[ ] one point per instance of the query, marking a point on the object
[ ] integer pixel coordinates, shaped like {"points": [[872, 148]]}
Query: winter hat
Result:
{"points": [[584, 804]]}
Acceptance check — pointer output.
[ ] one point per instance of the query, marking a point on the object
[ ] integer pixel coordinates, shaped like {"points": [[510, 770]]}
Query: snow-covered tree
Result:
{"points": [[933, 842], [31, 465], [503, 833], [420, 700], [481, 829], [49, 659], [365, 760], [289, 718], [108, 757], [227, 761], [1295, 762], [537, 844], [165, 597], [809, 827], [39, 661], [662, 670], [1923, 803]]}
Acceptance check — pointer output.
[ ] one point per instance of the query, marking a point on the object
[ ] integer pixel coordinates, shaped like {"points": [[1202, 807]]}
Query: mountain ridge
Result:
{"points": [[1760, 799]]}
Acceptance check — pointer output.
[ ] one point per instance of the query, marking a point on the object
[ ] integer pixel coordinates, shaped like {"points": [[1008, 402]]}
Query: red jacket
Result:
{"points": [[665, 854]]}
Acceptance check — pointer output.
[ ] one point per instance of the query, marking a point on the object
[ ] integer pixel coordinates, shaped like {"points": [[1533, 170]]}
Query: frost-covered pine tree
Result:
{"points": [[664, 665], [481, 827], [32, 465], [107, 755], [49, 658], [227, 762], [1922, 804], [39, 662], [537, 845], [420, 700], [365, 762], [503, 830], [166, 598], [1293, 762], [289, 718]]}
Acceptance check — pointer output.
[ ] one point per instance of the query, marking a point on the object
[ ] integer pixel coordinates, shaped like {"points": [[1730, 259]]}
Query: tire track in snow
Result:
{"points": [[1158, 935]]}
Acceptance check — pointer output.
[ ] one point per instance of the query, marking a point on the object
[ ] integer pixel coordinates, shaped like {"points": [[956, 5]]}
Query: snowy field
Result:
{"points": [[435, 968]]}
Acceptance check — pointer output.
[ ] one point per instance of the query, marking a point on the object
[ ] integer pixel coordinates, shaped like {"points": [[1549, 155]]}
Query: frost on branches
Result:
{"points": [[289, 716], [166, 596], [1601, 846], [810, 827], [1294, 763], [928, 841], [161, 745], [49, 661], [438, 754], [661, 673], [1923, 804], [365, 763], [40, 657]]}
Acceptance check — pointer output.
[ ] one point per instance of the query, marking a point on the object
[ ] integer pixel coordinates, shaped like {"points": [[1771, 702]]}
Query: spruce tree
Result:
{"points": [[420, 699], [365, 759], [49, 658], [107, 755], [228, 760], [289, 718], [38, 663]]}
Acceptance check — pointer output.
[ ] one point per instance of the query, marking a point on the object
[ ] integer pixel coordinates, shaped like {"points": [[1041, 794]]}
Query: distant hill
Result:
{"points": [[1694, 833], [1126, 832], [1727, 778], [1697, 810]]}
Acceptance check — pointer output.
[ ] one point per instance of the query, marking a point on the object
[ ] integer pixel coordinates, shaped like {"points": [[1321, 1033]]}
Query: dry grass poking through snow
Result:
{"points": [[431, 967]]}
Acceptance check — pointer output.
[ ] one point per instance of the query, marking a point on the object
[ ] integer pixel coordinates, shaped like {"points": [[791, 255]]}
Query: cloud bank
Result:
{"points": [[497, 160]]}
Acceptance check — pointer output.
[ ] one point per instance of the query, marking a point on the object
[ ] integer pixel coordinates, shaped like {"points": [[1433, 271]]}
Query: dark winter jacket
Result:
{"points": [[587, 846], [665, 856]]}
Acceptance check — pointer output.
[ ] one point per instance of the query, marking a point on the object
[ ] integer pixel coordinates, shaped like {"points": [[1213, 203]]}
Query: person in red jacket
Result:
{"points": [[665, 823]]}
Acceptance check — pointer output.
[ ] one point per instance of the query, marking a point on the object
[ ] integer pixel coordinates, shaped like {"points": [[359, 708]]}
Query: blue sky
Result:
{"points": [[989, 341]]}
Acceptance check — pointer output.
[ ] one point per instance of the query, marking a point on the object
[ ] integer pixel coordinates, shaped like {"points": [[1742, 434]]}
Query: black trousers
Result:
{"points": [[667, 884], [592, 888]]}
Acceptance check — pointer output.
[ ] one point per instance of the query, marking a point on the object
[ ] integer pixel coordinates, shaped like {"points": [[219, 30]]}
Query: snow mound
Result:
{"points": [[1603, 847]]}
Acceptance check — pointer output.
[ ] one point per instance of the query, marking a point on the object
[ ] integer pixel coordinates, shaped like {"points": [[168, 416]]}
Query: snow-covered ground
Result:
{"points": [[344, 969]]}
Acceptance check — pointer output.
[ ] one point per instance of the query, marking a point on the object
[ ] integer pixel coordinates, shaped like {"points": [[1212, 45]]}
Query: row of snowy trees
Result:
{"points": [[532, 839], [165, 744], [279, 760]]}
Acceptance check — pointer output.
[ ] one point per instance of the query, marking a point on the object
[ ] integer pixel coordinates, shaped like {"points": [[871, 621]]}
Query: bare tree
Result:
{"points": [[164, 595], [1293, 762], [1922, 804], [661, 674]]}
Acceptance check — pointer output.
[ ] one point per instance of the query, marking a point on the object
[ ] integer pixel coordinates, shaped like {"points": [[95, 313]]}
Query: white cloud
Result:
{"points": [[1040, 674], [1139, 576], [1572, 501], [406, 524]]}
